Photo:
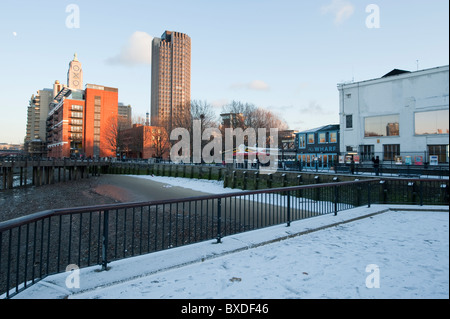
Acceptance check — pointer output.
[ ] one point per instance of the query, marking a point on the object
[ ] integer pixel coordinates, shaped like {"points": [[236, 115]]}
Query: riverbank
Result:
{"points": [[98, 190], [18, 202]]}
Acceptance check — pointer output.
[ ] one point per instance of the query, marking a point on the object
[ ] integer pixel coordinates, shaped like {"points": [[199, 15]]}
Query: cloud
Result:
{"points": [[14, 34], [341, 9], [303, 85], [138, 50], [256, 85], [282, 108], [312, 108], [218, 104]]}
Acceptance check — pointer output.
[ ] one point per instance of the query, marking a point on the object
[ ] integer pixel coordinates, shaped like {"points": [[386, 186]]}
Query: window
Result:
{"points": [[322, 137], [349, 121], [390, 151], [431, 122], [301, 140], [441, 151], [333, 137], [367, 152], [386, 125], [311, 138]]}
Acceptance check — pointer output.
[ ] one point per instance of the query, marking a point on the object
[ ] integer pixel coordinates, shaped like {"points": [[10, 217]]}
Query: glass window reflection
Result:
{"points": [[386, 125], [431, 122]]}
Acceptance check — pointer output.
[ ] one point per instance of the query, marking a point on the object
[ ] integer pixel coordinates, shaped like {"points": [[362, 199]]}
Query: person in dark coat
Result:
{"points": [[376, 165]]}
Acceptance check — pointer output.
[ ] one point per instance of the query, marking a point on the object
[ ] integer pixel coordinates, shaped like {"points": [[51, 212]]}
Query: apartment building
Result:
{"points": [[79, 122]]}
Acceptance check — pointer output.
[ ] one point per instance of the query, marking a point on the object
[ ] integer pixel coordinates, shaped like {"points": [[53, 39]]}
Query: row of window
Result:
{"points": [[425, 123], [392, 151], [97, 117], [77, 107], [323, 137]]}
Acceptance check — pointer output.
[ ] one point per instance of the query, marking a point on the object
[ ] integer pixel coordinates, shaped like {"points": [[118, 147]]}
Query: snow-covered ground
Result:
{"points": [[373, 252], [202, 185]]}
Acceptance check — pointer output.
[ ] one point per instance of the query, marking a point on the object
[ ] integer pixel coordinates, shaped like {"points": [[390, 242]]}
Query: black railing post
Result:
{"points": [[335, 200], [219, 220], [421, 193], [288, 209], [368, 194], [105, 240]]}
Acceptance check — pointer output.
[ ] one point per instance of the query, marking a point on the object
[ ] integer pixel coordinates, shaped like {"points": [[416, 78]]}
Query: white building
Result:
{"points": [[402, 116]]}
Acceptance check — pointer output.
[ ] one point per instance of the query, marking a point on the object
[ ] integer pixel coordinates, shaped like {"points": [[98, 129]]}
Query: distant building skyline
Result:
{"points": [[170, 79]]}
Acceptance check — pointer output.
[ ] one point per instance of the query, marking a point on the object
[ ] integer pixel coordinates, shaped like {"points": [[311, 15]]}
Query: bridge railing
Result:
{"points": [[37, 245]]}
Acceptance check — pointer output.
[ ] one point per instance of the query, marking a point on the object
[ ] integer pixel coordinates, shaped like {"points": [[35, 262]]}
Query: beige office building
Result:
{"points": [[35, 139], [171, 80]]}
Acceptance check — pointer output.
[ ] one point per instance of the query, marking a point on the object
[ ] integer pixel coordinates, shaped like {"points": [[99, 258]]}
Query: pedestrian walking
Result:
{"points": [[376, 165]]}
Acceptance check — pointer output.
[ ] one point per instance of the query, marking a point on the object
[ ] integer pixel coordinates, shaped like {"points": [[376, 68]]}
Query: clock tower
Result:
{"points": [[75, 74]]}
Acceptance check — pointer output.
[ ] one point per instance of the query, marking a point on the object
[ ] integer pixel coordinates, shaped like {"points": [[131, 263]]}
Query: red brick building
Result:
{"points": [[79, 121], [142, 141], [100, 113]]}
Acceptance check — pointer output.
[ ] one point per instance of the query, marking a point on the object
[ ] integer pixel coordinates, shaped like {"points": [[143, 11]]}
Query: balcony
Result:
{"points": [[76, 115], [76, 122], [75, 137]]}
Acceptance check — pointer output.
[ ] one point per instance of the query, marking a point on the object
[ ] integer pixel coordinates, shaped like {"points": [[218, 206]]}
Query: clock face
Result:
{"points": [[76, 68]]}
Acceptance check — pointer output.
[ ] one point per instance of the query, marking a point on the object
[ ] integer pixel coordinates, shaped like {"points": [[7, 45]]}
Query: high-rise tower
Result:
{"points": [[171, 80], [75, 74]]}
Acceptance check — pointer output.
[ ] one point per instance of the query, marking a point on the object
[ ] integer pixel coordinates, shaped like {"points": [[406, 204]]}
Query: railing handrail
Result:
{"points": [[32, 253], [23, 220]]}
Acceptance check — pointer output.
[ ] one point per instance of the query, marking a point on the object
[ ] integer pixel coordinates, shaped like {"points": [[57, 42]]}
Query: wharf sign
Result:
{"points": [[317, 149]]}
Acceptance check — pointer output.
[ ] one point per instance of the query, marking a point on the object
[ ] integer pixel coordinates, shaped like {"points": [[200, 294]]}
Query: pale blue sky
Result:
{"points": [[286, 56]]}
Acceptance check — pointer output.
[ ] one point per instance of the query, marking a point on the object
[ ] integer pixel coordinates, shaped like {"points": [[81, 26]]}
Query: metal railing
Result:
{"points": [[35, 246]]}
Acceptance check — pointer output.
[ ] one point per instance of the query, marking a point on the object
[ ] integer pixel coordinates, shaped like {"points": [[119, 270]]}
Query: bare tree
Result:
{"points": [[246, 109], [254, 117], [115, 135], [160, 142], [202, 110]]}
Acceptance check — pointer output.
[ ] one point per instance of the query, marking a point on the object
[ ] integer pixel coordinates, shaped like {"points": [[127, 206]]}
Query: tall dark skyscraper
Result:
{"points": [[171, 80]]}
